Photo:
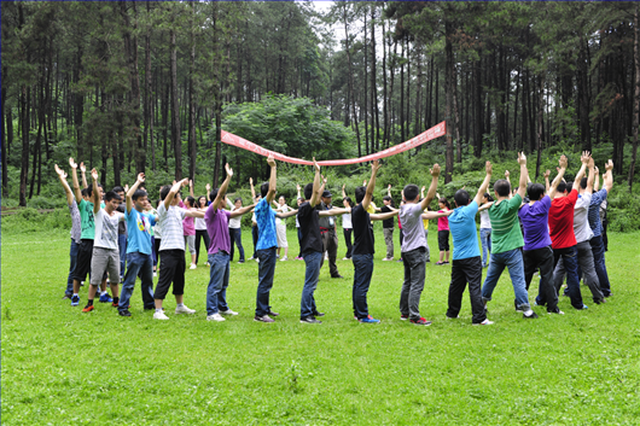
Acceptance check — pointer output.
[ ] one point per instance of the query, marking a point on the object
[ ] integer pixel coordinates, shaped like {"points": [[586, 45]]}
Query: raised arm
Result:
{"points": [[562, 163], [584, 159], [315, 196], [253, 190], [344, 193], [191, 188], [134, 188], [424, 188], [375, 166], [485, 183], [175, 188], [74, 180], [222, 192], [298, 190], [435, 173], [524, 175], [96, 191], [83, 172], [592, 171], [546, 180], [596, 180], [389, 191], [63, 180], [272, 179], [207, 188], [608, 176]]}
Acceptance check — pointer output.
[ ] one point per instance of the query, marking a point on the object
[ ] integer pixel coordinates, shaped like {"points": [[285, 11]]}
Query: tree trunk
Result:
{"points": [[148, 125], [636, 99], [364, 110], [351, 95], [540, 123], [449, 87], [25, 103], [583, 96], [175, 108], [192, 107], [374, 86], [5, 135]]}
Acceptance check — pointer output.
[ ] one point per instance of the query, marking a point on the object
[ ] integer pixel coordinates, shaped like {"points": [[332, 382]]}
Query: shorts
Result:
{"points": [[105, 260], [443, 240], [190, 242]]}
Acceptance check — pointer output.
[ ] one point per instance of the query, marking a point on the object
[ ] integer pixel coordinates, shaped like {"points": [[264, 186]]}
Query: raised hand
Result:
{"points": [[60, 172], [207, 187], [435, 170], [584, 158], [547, 174], [507, 173], [140, 177], [522, 159], [316, 165], [299, 188], [271, 161], [94, 174], [563, 162], [72, 163], [375, 166], [83, 168], [488, 167], [228, 169], [609, 165]]}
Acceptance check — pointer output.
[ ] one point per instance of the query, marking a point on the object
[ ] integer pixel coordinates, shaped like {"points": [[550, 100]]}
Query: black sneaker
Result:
{"points": [[124, 313], [310, 320], [530, 314], [272, 314], [318, 314]]}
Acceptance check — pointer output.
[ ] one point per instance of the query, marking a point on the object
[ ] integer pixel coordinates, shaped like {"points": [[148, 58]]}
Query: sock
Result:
{"points": [[102, 293], [159, 310], [75, 294], [89, 302], [116, 300], [179, 305]]}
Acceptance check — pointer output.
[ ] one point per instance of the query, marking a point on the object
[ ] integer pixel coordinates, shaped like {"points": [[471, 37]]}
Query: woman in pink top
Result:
{"points": [[443, 232], [189, 228]]}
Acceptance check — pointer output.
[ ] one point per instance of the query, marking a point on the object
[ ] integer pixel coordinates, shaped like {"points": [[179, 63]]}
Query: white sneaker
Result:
{"points": [[228, 312], [159, 315], [284, 258], [345, 258], [485, 322], [386, 259], [184, 310], [193, 266], [215, 317], [155, 274], [207, 264]]}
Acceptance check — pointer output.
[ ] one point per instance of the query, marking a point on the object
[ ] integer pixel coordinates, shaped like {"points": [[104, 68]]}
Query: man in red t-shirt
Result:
{"points": [[563, 239]]}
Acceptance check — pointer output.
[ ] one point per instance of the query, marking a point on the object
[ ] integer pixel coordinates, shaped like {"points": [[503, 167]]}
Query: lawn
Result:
{"points": [[60, 366]]}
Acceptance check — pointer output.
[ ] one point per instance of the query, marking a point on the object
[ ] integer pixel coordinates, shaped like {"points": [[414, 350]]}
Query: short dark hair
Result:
{"points": [[89, 189], [85, 192], [139, 194], [387, 198], [535, 191], [562, 186], [502, 187], [264, 188], [237, 199], [164, 191], [112, 195], [569, 186], [461, 197], [583, 183], [117, 189], [308, 191], [411, 192], [361, 191], [213, 194]]}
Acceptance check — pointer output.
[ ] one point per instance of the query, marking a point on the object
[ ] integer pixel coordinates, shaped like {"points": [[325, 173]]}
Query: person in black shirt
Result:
{"points": [[363, 247], [311, 246]]}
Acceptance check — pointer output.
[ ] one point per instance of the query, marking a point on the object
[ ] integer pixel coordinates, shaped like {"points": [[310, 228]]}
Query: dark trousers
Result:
{"points": [[347, 239], [266, 271], [204, 235], [569, 257], [363, 270], [299, 242], [330, 245], [235, 235], [73, 258], [542, 259], [465, 271], [414, 271], [597, 247], [171, 270], [254, 235]]}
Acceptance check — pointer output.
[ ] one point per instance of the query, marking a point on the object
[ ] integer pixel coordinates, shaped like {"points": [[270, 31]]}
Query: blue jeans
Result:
{"points": [[236, 237], [312, 260], [569, 257], [73, 257], [218, 283], [363, 269], [266, 271], [511, 259], [122, 245], [137, 264], [597, 246], [413, 284], [485, 239]]}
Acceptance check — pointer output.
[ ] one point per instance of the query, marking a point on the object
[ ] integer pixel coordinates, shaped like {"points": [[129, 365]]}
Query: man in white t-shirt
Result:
{"points": [[106, 255]]}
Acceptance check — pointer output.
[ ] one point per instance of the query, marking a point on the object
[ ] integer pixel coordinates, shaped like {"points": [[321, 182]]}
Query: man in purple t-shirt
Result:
{"points": [[217, 220], [537, 243]]}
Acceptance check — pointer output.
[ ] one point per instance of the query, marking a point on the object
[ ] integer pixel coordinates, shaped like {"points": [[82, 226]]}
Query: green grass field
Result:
{"points": [[60, 366]]}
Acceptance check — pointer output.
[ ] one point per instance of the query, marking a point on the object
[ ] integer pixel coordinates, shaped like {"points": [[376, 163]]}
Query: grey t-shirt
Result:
{"points": [[412, 228], [581, 220], [107, 229], [76, 222]]}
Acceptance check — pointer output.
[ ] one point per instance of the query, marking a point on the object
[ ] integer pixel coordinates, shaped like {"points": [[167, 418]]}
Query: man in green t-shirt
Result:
{"points": [[507, 241]]}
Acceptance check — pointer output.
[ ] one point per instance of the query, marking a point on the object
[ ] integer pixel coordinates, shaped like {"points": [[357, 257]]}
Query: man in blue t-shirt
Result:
{"points": [[266, 245], [538, 253], [139, 260], [597, 242], [466, 264]]}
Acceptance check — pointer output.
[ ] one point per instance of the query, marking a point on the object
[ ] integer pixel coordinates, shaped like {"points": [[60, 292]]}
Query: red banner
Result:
{"points": [[434, 132]]}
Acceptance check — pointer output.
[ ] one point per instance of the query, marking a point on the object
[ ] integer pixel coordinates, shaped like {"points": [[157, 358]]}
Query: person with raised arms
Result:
{"points": [[597, 243], [563, 238], [106, 256], [312, 249], [172, 249], [538, 253], [217, 220], [139, 258], [507, 241], [363, 247], [413, 250], [466, 263]]}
